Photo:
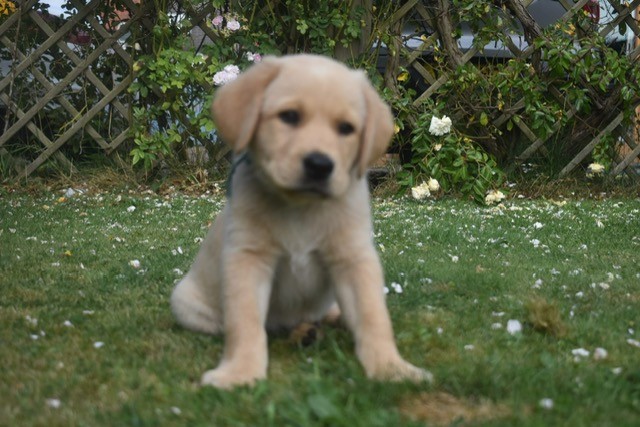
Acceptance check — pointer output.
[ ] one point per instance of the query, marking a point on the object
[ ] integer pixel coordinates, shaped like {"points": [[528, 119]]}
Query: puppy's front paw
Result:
{"points": [[399, 370], [225, 377]]}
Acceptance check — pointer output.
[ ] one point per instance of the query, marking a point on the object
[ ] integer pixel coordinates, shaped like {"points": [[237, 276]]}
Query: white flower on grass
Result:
{"points": [[633, 342], [494, 196], [537, 284], [535, 243], [514, 326], [602, 285], [439, 127], [579, 354], [134, 263], [31, 320], [594, 169], [68, 324], [131, 209], [421, 191], [396, 287], [546, 403], [538, 225], [496, 326], [469, 347], [227, 74], [600, 353], [454, 258], [53, 403], [98, 344], [433, 185], [87, 312]]}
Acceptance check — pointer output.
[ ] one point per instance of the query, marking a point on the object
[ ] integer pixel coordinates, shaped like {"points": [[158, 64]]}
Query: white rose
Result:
{"points": [[439, 127]]}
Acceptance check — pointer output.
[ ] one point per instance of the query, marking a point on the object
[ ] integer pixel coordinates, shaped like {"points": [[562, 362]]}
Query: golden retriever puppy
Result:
{"points": [[295, 236]]}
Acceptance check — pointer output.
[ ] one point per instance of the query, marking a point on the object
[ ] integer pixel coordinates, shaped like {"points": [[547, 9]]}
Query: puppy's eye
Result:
{"points": [[345, 128], [290, 117]]}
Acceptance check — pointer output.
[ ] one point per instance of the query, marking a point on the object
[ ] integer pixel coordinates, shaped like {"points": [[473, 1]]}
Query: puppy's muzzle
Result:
{"points": [[317, 168]]}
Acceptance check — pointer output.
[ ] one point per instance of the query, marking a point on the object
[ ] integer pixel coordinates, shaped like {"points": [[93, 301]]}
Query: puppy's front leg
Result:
{"points": [[246, 289], [359, 289]]}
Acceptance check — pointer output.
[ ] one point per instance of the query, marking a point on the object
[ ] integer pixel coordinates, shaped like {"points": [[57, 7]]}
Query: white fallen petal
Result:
{"points": [[496, 326], [469, 347], [633, 342], [67, 323], [546, 403], [98, 344], [134, 263], [131, 208], [514, 326], [600, 353], [53, 403], [579, 353]]}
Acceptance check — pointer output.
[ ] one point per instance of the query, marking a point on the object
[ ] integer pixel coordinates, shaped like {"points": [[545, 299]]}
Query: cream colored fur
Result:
{"points": [[284, 250]]}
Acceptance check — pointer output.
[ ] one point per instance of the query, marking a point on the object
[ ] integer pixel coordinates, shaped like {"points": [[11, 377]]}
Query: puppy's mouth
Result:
{"points": [[311, 189]]}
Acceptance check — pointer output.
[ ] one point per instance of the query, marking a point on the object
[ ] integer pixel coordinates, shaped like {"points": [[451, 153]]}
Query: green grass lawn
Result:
{"points": [[87, 339]]}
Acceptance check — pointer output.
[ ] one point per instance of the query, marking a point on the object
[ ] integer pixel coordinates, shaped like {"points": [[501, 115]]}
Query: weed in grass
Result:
{"points": [[545, 317]]}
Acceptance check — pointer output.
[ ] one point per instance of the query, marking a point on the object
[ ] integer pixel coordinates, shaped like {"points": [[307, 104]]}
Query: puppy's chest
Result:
{"points": [[301, 242]]}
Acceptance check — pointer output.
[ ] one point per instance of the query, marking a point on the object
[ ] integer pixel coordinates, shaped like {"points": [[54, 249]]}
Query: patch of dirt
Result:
{"points": [[443, 409]]}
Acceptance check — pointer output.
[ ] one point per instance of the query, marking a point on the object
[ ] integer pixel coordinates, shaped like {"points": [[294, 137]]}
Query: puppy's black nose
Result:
{"points": [[317, 166]]}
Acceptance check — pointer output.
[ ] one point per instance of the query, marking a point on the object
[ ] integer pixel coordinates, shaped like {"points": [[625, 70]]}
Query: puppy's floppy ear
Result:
{"points": [[378, 128], [236, 105]]}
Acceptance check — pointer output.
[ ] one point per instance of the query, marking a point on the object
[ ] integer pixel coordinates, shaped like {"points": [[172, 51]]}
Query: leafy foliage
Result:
{"points": [[455, 160]]}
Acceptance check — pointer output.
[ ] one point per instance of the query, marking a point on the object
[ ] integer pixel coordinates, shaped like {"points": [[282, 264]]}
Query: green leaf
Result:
{"points": [[484, 119], [322, 407]]}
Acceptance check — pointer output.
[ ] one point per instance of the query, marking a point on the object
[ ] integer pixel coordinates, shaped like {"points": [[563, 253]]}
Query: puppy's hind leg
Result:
{"points": [[193, 309], [195, 301]]}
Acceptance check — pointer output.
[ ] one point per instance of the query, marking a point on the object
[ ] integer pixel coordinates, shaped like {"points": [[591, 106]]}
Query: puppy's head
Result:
{"points": [[310, 124]]}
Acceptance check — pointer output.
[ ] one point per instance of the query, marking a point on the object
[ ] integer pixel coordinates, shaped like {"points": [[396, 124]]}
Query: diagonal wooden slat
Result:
{"points": [[37, 132], [589, 147], [62, 100], [78, 125], [33, 56], [77, 60], [67, 81]]}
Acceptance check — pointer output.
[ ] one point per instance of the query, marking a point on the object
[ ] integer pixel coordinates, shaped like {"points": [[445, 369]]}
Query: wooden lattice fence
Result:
{"points": [[63, 82]]}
